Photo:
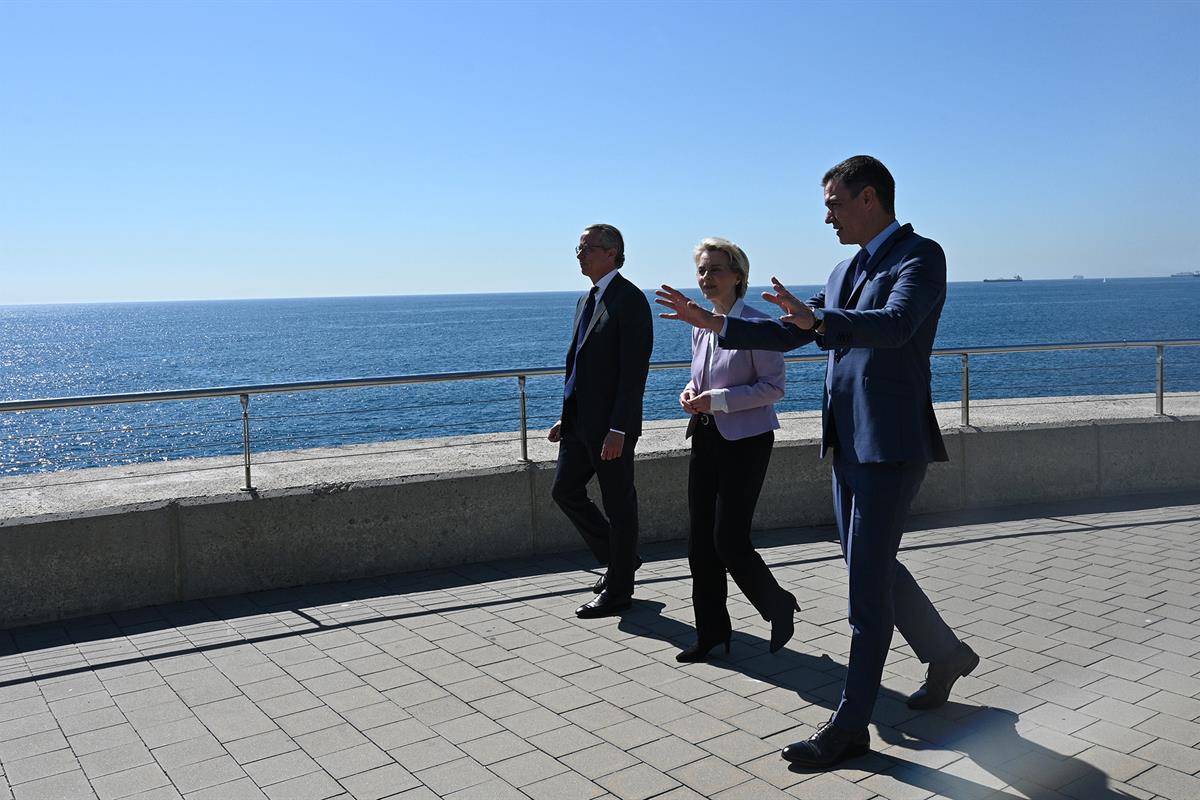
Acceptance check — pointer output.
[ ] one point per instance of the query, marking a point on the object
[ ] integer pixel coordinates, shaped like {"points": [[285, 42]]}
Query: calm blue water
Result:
{"points": [[66, 350]]}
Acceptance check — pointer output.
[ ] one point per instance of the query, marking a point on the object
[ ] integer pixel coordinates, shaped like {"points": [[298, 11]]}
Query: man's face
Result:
{"points": [[594, 261], [848, 215]]}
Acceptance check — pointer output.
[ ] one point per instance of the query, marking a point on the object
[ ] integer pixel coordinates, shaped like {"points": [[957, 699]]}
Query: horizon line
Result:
{"points": [[482, 293]]}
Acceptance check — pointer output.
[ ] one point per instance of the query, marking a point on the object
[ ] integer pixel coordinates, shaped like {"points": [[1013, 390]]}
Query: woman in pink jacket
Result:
{"points": [[731, 397]]}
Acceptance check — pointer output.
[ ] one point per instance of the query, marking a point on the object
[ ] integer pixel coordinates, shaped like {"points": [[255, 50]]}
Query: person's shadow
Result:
{"points": [[987, 736]]}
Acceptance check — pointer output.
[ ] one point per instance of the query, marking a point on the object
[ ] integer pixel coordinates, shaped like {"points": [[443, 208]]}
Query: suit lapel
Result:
{"points": [[871, 267], [601, 307]]}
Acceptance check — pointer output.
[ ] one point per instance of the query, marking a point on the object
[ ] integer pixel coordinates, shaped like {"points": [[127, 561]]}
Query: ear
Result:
{"points": [[869, 197]]}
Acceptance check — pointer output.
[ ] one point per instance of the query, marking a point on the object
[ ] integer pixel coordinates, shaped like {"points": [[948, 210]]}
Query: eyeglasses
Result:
{"points": [[580, 249]]}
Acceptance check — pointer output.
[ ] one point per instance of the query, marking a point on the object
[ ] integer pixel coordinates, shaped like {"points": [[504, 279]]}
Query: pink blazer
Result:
{"points": [[753, 380]]}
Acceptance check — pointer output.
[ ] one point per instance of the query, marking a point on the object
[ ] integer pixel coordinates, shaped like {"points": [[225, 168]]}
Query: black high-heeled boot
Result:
{"points": [[699, 651], [782, 624]]}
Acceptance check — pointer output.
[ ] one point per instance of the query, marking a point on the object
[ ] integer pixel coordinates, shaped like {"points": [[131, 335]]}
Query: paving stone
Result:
{"points": [[130, 781], [668, 753], [496, 747], [35, 723], [235, 718], [1169, 754], [72, 785], [527, 768], [373, 716], [637, 782], [599, 760], [565, 786], [448, 778], [314, 786], [44, 765], [398, 734], [241, 789], [260, 746], [115, 759], [1167, 782], [181, 730], [710, 775], [1167, 727], [351, 761], [192, 777], [425, 754], [387, 781], [738, 747], [189, 751], [282, 767]]}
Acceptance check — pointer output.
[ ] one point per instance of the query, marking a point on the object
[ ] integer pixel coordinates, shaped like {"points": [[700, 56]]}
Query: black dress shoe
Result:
{"points": [[782, 624], [829, 745], [940, 678], [604, 605], [699, 651]]}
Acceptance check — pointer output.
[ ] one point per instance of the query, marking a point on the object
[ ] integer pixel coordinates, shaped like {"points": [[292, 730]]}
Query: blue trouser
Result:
{"points": [[870, 502]]}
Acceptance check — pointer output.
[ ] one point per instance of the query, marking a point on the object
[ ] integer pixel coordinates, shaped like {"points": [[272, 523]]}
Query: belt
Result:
{"points": [[705, 419]]}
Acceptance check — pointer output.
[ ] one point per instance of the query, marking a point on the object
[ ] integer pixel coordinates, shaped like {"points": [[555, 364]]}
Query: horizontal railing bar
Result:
{"points": [[444, 377]]}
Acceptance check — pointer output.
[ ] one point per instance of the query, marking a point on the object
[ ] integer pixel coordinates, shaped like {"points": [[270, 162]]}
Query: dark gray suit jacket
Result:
{"points": [[612, 363]]}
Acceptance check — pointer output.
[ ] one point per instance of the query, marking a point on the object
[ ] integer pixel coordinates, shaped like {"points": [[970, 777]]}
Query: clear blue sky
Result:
{"points": [[174, 150]]}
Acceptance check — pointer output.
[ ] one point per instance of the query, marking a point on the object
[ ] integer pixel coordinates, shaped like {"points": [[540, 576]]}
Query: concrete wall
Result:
{"points": [[65, 565]]}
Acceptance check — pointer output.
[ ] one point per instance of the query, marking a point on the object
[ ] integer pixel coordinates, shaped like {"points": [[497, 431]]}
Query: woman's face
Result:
{"points": [[716, 277]]}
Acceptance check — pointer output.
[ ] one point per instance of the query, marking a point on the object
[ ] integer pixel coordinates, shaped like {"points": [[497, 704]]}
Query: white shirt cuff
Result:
{"points": [[719, 400]]}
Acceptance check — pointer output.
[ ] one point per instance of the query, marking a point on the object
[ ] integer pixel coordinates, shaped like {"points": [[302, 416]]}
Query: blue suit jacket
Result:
{"points": [[877, 405]]}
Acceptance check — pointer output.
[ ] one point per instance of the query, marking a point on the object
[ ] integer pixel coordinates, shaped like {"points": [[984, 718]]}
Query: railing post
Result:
{"points": [[524, 421], [966, 391], [245, 398], [1158, 391]]}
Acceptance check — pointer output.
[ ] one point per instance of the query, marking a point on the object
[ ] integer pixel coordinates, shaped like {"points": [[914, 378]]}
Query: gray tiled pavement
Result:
{"points": [[480, 683]]}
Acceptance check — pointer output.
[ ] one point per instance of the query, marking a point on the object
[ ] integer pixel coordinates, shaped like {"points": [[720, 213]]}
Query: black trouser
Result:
{"points": [[613, 540], [724, 480]]}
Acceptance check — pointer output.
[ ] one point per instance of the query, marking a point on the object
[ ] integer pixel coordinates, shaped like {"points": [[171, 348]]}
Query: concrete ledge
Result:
{"points": [[67, 562]]}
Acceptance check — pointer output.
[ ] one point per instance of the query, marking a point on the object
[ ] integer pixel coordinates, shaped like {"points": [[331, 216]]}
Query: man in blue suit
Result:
{"points": [[877, 318]]}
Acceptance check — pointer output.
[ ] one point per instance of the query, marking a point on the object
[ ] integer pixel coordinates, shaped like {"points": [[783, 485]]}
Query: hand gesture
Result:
{"points": [[555, 433], [685, 400], [686, 310], [797, 313]]}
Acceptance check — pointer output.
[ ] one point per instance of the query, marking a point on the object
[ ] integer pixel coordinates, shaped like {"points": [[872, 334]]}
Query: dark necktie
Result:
{"points": [[588, 309], [860, 264]]}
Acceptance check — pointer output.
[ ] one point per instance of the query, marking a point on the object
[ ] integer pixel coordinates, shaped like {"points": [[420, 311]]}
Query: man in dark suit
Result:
{"points": [[601, 421], [877, 317]]}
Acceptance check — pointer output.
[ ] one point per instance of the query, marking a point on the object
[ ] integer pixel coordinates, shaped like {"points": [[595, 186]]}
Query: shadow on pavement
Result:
{"points": [[987, 736]]}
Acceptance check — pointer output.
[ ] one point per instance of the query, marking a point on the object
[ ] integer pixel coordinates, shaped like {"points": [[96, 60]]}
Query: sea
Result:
{"points": [[111, 348]]}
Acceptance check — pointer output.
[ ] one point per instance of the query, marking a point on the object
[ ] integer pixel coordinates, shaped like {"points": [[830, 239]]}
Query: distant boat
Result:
{"points": [[1195, 274], [1013, 279], [1077, 277]]}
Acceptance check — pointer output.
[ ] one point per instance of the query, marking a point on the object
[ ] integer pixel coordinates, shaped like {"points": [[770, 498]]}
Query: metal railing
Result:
{"points": [[244, 393]]}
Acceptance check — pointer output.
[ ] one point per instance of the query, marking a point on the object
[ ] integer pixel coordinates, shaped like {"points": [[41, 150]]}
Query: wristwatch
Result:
{"points": [[818, 318]]}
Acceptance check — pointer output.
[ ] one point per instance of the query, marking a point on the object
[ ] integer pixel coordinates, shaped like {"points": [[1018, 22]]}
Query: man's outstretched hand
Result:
{"points": [[795, 312], [682, 308]]}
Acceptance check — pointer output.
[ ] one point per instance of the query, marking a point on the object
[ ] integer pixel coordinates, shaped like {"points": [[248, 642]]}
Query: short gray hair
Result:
{"points": [[739, 262], [610, 239]]}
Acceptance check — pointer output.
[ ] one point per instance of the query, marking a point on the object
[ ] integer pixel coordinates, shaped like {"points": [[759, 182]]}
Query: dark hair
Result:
{"points": [[610, 239], [859, 172]]}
